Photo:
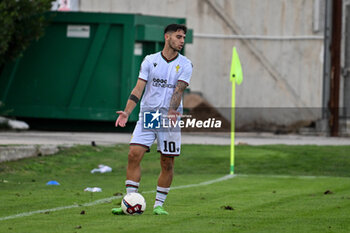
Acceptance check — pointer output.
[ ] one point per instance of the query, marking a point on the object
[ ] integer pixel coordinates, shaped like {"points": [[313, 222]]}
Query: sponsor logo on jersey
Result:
{"points": [[158, 82]]}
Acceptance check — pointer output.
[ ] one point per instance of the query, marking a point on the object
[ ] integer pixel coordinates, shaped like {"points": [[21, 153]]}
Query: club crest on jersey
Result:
{"points": [[177, 68], [155, 64]]}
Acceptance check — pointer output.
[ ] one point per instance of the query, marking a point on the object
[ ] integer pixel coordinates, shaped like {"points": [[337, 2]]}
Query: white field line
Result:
{"points": [[104, 200], [289, 176]]}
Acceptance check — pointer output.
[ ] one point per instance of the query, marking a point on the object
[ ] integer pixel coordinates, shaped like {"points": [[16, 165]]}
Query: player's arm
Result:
{"points": [[176, 99], [134, 98]]}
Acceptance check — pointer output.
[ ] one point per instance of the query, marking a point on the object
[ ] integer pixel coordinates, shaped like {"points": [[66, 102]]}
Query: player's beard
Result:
{"points": [[173, 47]]}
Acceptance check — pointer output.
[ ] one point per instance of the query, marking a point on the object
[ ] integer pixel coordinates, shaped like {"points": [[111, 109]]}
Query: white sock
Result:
{"points": [[131, 186], [161, 196]]}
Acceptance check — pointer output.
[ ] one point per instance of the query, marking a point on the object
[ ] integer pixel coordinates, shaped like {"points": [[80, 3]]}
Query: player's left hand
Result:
{"points": [[172, 115]]}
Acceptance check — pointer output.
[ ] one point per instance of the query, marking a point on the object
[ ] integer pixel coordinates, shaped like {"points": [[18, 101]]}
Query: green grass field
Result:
{"points": [[277, 189]]}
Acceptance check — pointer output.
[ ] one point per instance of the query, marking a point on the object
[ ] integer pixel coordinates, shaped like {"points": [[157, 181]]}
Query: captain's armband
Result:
{"points": [[134, 98]]}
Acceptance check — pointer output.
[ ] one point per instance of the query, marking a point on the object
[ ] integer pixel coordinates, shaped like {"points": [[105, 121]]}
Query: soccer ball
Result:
{"points": [[133, 204]]}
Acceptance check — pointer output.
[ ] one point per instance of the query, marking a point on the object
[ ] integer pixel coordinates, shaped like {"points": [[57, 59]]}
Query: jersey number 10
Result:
{"points": [[169, 145]]}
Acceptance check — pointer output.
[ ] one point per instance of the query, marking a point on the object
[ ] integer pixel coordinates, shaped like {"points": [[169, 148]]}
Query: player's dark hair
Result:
{"points": [[175, 27]]}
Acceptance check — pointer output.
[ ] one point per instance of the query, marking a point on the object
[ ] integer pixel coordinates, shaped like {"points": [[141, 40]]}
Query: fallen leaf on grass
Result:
{"points": [[227, 207], [328, 192]]}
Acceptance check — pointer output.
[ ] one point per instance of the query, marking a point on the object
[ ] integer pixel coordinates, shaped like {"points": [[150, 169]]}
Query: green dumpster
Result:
{"points": [[84, 67]]}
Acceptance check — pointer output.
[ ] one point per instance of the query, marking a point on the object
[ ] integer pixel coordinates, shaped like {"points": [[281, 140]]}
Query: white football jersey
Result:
{"points": [[162, 76]]}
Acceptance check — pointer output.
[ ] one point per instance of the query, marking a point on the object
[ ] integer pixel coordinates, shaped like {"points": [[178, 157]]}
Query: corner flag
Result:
{"points": [[236, 76]]}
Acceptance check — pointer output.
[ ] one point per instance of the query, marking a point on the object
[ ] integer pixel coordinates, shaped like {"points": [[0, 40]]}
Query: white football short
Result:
{"points": [[168, 139]]}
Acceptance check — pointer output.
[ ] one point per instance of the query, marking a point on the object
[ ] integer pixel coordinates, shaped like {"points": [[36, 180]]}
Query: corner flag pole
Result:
{"points": [[236, 76]]}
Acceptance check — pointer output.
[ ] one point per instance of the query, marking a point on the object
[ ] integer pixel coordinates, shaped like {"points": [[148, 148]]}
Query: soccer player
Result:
{"points": [[163, 77]]}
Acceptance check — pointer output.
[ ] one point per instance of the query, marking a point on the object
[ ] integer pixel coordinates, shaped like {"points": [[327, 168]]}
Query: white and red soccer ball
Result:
{"points": [[133, 204]]}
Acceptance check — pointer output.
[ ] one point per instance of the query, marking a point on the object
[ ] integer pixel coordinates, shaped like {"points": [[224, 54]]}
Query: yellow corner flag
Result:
{"points": [[236, 76], [236, 68]]}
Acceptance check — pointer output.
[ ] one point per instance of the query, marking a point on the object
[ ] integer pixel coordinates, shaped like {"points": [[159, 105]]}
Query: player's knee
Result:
{"points": [[134, 156]]}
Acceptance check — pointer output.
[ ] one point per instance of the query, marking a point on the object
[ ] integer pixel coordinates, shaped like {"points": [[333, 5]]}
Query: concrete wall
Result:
{"points": [[277, 73]]}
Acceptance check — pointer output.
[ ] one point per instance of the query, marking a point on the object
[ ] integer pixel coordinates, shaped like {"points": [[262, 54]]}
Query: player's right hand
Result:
{"points": [[122, 119]]}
